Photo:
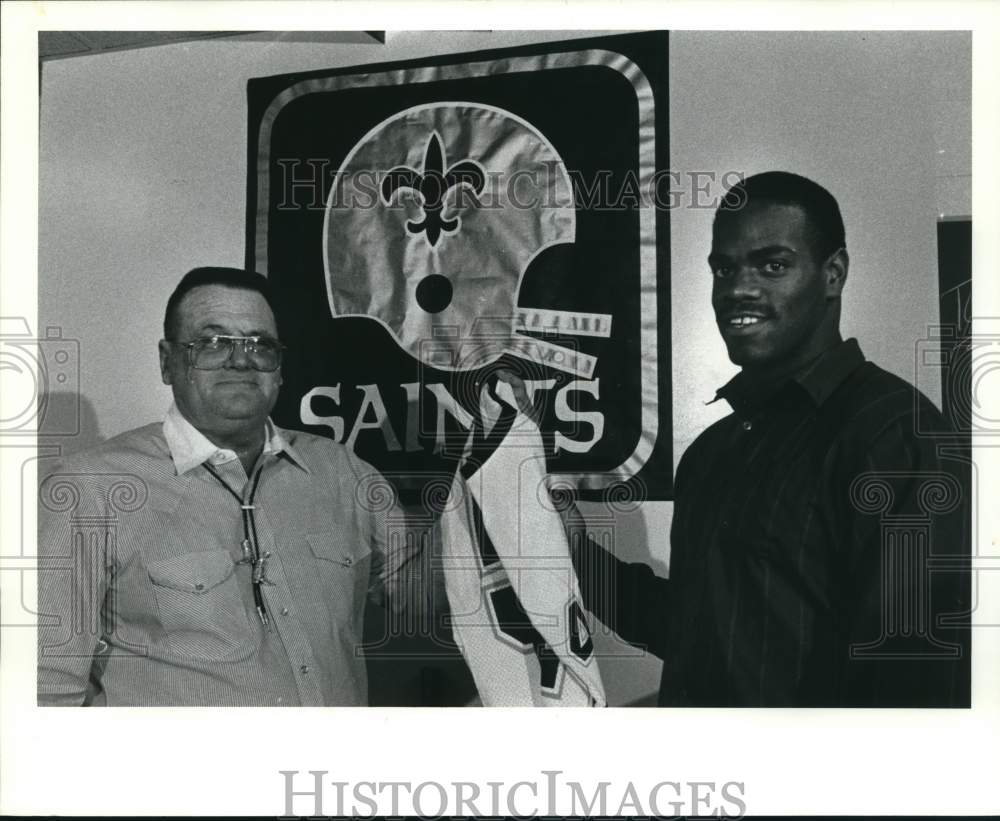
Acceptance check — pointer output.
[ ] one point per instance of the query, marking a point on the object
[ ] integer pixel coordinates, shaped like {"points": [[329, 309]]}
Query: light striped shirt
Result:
{"points": [[142, 597]]}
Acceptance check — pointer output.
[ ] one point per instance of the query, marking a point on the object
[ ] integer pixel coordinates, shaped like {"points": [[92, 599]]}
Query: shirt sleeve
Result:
{"points": [[399, 540], [906, 588], [627, 597], [73, 581]]}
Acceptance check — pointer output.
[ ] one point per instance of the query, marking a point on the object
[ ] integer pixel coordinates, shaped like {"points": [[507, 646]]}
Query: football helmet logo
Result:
{"points": [[431, 223]]}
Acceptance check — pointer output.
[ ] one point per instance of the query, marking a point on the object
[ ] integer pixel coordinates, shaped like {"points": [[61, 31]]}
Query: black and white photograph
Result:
{"points": [[645, 366]]}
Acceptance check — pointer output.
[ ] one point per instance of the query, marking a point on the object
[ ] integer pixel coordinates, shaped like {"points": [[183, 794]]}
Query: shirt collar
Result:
{"points": [[819, 380], [189, 447]]}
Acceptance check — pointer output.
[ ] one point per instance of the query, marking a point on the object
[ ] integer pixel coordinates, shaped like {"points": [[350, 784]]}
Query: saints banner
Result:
{"points": [[428, 223]]}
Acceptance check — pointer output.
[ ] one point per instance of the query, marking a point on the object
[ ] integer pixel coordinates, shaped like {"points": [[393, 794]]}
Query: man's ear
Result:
{"points": [[164, 348], [835, 272]]}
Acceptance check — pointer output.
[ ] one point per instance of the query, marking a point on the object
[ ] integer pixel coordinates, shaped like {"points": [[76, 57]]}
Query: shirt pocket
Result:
{"points": [[343, 565], [200, 606]]}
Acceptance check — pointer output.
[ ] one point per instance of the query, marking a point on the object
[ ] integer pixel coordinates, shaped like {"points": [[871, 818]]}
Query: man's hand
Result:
{"points": [[520, 395]]}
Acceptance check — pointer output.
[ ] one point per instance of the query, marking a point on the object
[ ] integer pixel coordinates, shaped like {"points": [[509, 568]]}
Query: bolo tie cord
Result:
{"points": [[251, 552]]}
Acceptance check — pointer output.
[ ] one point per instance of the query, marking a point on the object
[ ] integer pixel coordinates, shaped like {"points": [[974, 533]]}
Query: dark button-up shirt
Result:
{"points": [[813, 551]]}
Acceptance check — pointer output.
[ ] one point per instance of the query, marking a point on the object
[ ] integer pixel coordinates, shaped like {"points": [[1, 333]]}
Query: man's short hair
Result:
{"points": [[785, 188], [228, 277]]}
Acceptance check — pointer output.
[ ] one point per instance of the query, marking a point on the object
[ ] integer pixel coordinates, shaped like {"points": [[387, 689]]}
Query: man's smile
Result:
{"points": [[238, 381], [742, 322]]}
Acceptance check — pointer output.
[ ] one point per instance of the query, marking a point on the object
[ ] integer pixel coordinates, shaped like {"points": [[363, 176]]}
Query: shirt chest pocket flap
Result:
{"points": [[342, 569], [197, 573], [344, 551], [200, 605]]}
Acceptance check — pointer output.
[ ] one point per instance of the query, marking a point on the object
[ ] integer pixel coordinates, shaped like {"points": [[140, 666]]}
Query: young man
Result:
{"points": [[804, 520], [214, 558]]}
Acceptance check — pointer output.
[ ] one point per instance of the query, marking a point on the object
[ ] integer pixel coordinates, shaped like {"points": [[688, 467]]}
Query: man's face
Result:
{"points": [[235, 399], [775, 303]]}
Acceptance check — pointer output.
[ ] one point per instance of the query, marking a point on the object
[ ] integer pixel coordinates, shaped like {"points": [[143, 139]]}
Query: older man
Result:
{"points": [[214, 558], [807, 521]]}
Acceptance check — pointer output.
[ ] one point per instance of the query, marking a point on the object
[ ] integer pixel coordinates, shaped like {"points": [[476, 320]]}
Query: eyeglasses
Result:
{"points": [[212, 352]]}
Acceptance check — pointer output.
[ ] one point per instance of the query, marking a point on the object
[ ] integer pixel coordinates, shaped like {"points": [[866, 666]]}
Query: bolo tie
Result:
{"points": [[249, 546]]}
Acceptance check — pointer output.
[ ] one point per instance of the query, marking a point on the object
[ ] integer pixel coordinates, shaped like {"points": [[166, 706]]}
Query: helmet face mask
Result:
{"points": [[467, 196]]}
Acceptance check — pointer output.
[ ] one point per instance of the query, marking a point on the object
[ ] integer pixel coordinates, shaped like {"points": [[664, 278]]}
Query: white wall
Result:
{"points": [[143, 177]]}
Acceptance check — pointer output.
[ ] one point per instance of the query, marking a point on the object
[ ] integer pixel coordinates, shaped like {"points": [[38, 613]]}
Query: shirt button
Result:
{"points": [[199, 586], [284, 611], [304, 669], [348, 561], [747, 425]]}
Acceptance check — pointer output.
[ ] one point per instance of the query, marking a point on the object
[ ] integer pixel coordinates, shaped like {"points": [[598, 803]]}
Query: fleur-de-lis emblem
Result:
{"points": [[432, 185]]}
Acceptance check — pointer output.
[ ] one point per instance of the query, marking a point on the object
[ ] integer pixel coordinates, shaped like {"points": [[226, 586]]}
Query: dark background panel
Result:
{"points": [[590, 115]]}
